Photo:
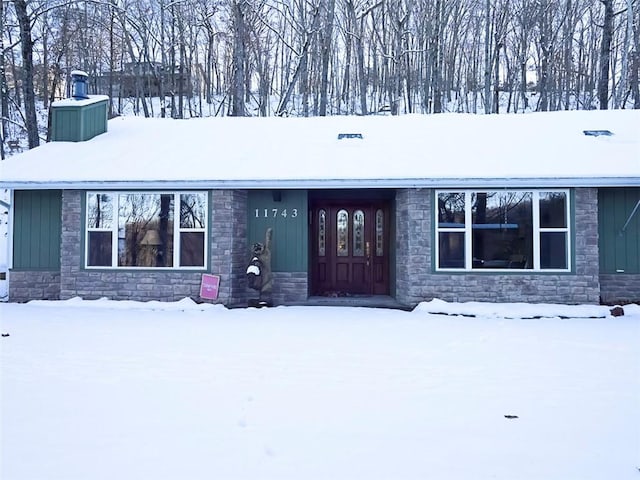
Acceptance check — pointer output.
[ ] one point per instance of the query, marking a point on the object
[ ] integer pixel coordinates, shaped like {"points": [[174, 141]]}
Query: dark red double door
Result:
{"points": [[350, 248]]}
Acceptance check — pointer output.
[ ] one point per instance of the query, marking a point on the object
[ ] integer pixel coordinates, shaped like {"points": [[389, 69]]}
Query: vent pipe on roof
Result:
{"points": [[79, 85]]}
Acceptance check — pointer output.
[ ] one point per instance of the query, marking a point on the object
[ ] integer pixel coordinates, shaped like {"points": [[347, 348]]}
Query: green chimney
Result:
{"points": [[80, 117]]}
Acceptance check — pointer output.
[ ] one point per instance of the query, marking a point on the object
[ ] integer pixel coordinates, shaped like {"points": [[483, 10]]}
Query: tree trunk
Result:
{"points": [[487, 57], [326, 55], [545, 48], [284, 101], [27, 64], [4, 91], [238, 108], [605, 55], [635, 68]]}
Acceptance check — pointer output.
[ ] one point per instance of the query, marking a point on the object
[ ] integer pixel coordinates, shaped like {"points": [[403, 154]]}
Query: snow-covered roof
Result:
{"points": [[446, 150], [77, 102]]}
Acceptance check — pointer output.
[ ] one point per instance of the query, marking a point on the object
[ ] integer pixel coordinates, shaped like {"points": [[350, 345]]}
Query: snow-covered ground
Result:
{"points": [[125, 390]]}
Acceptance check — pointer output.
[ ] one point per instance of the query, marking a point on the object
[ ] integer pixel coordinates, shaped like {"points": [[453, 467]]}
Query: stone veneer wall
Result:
{"points": [[619, 288], [25, 285], [289, 288], [229, 249], [416, 280], [227, 258]]}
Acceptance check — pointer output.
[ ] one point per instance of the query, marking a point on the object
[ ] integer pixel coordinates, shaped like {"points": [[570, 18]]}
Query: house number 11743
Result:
{"points": [[276, 212]]}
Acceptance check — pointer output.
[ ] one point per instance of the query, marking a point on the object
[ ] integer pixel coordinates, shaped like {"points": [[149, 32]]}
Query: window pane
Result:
{"points": [[192, 249], [99, 210], [99, 249], [553, 250], [343, 233], [502, 230], [379, 233], [358, 233], [322, 232], [193, 210], [145, 230], [451, 210], [553, 210], [451, 250]]}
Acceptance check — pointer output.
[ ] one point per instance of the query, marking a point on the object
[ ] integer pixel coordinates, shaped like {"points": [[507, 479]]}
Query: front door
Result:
{"points": [[350, 248]]}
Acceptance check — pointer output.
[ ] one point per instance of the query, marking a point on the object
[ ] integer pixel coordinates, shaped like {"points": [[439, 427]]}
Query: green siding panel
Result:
{"points": [[37, 229], [78, 123], [286, 212], [619, 251]]}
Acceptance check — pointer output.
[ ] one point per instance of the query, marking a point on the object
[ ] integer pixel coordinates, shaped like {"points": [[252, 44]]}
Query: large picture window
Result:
{"points": [[149, 230], [506, 229]]}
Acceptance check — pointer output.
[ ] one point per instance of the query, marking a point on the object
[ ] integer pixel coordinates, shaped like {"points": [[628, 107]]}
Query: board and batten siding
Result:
{"points": [[37, 229], [619, 250], [286, 212], [79, 123]]}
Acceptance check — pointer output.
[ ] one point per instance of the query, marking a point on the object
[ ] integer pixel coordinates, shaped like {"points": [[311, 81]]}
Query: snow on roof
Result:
{"points": [[446, 150], [76, 102]]}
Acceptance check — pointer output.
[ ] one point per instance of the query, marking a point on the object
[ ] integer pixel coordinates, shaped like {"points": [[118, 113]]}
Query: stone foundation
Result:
{"points": [[619, 288], [416, 280], [30, 285]]}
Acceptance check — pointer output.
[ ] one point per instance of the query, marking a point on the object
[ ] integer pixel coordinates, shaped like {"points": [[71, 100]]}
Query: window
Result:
{"points": [[149, 230], [358, 233], [507, 229], [322, 232], [342, 233]]}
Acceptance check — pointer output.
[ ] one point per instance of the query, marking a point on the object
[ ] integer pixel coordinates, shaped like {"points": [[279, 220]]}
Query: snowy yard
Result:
{"points": [[123, 390]]}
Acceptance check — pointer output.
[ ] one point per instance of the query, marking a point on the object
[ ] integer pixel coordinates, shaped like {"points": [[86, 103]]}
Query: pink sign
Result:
{"points": [[209, 286]]}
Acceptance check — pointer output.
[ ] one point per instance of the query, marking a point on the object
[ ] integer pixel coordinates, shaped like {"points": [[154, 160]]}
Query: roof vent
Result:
{"points": [[597, 133], [350, 135], [79, 85]]}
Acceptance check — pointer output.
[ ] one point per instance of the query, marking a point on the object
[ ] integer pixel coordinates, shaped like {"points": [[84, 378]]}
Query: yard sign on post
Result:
{"points": [[209, 286]]}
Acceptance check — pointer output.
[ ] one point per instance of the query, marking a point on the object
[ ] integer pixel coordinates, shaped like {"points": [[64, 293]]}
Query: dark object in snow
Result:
{"points": [[617, 311], [5, 334], [511, 416], [597, 133], [350, 135]]}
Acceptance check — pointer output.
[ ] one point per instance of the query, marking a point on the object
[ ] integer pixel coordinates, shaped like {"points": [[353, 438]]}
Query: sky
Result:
{"points": [[128, 390]]}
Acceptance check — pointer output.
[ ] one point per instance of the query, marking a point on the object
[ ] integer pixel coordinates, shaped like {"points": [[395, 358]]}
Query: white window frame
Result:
{"points": [[177, 230], [537, 231]]}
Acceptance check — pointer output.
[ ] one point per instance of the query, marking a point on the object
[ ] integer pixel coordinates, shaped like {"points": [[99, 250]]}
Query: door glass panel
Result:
{"points": [[379, 233], [322, 233], [342, 233], [358, 233]]}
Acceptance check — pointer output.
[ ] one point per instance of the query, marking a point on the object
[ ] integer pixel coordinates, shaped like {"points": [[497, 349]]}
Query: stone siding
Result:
{"points": [[289, 288], [25, 285], [619, 288], [227, 258], [229, 250], [416, 280]]}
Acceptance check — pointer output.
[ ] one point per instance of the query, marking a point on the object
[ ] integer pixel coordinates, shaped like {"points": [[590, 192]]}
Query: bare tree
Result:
{"points": [[31, 121], [605, 54]]}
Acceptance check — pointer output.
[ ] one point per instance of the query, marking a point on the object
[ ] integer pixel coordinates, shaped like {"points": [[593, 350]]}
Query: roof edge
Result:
{"points": [[534, 182]]}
